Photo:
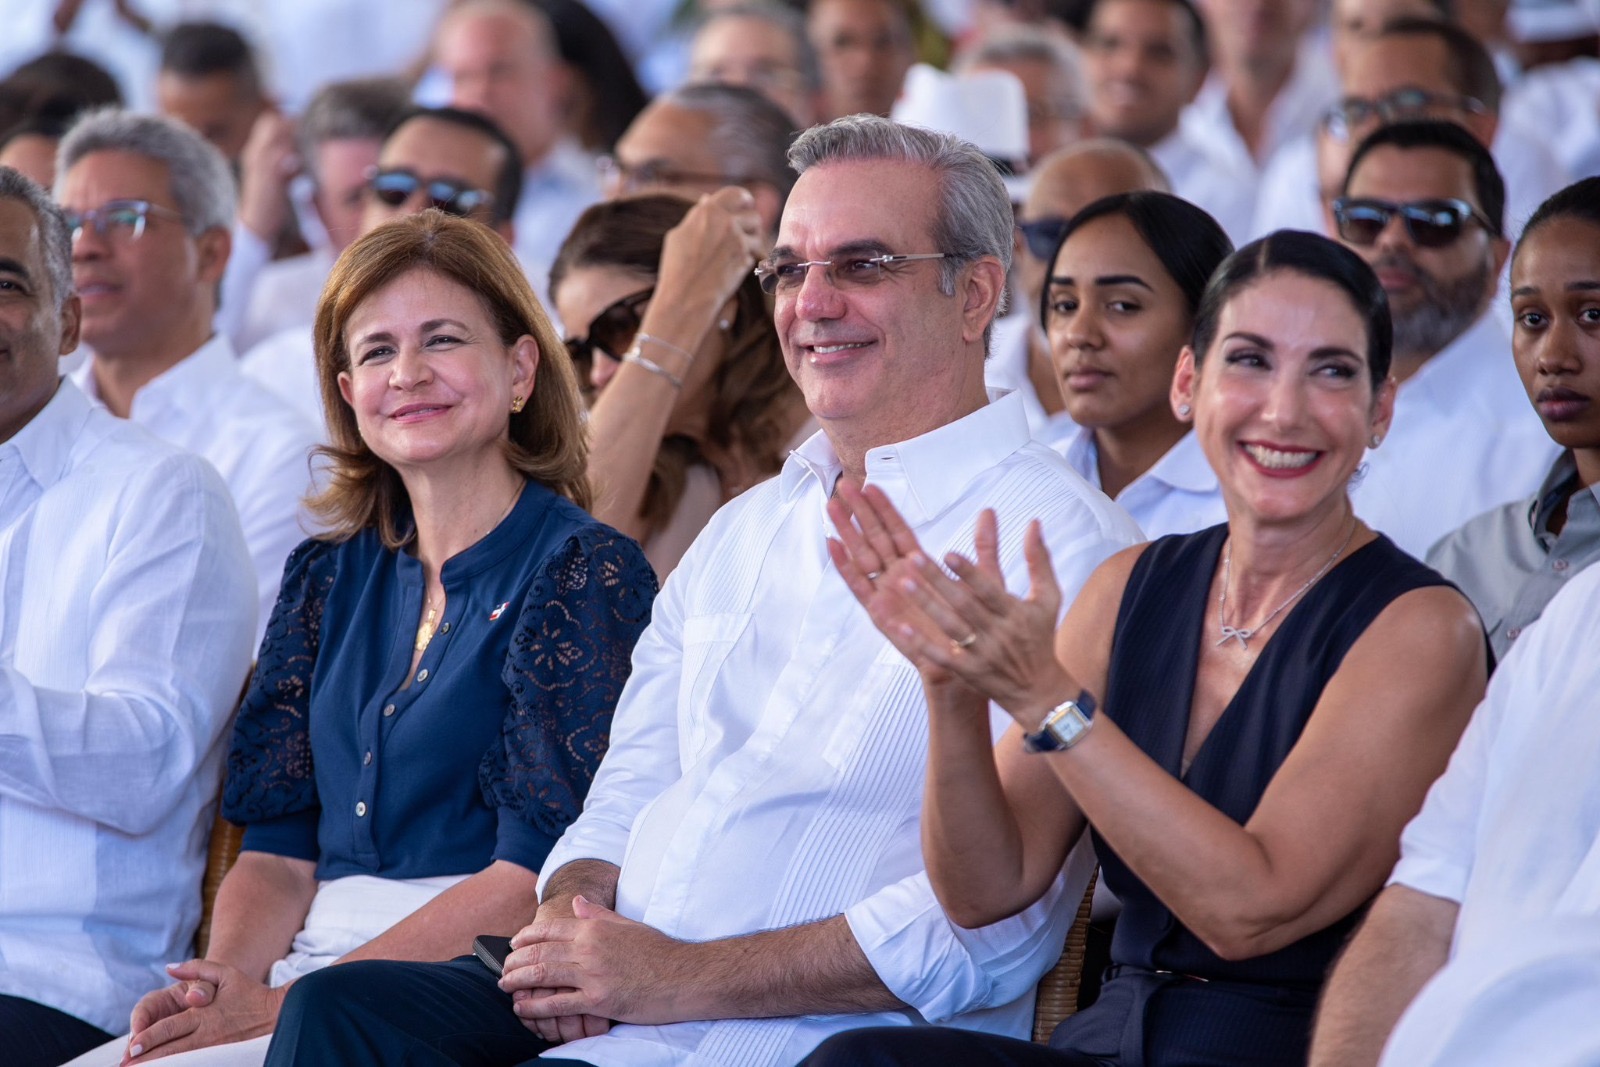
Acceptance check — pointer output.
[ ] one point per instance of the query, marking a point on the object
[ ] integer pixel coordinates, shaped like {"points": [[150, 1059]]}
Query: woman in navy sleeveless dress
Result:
{"points": [[1278, 694]]}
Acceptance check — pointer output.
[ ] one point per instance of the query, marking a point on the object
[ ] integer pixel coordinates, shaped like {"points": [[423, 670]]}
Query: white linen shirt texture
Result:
{"points": [[126, 619], [1511, 831], [1179, 494], [256, 441], [1464, 439], [768, 752]]}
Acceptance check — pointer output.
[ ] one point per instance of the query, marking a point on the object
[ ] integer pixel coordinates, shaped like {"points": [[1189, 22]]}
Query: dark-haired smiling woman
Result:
{"points": [[436, 684], [1119, 305], [1511, 561], [1245, 716]]}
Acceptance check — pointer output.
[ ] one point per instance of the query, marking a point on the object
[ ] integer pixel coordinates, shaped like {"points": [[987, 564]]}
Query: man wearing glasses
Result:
{"points": [[1412, 68], [746, 879], [150, 207], [1424, 205], [699, 138], [457, 161]]}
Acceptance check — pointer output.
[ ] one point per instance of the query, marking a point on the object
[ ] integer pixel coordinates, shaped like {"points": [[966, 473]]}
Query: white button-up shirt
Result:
{"points": [[1511, 832], [257, 442], [1312, 88], [1178, 494], [1464, 440], [768, 753], [127, 610]]}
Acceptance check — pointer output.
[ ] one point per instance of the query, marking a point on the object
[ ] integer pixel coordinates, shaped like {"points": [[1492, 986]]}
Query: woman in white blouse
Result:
{"points": [[1119, 305]]}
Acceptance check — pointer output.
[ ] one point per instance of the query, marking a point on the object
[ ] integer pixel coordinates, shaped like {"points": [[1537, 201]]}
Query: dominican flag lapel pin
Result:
{"points": [[499, 611]]}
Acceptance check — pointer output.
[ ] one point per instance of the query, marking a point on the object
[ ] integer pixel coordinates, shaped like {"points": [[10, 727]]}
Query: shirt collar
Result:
{"points": [[1563, 472], [927, 474], [1182, 467], [45, 444], [179, 384]]}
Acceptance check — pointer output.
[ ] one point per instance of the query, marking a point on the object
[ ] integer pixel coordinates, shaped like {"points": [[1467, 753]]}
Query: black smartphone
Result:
{"points": [[492, 950]]}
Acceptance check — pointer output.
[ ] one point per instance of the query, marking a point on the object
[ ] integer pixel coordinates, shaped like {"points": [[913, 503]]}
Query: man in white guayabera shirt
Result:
{"points": [[746, 878], [127, 613]]}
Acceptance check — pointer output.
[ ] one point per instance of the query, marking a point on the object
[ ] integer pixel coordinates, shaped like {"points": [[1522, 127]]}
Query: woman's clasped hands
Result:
{"points": [[960, 627]]}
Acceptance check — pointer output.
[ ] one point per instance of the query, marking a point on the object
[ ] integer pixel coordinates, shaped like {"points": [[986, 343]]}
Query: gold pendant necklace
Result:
{"points": [[425, 631]]}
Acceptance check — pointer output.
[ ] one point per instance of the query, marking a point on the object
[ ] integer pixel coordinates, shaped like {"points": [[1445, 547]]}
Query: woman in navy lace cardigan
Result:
{"points": [[436, 685]]}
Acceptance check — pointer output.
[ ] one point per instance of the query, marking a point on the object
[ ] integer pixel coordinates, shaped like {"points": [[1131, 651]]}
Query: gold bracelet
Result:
{"points": [[633, 355]]}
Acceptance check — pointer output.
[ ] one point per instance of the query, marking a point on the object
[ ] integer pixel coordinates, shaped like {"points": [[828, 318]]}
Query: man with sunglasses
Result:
{"points": [[457, 161], [1410, 68], [1065, 182], [1423, 204], [150, 206]]}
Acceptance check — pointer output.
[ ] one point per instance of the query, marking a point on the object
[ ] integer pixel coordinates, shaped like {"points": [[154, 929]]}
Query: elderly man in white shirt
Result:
{"points": [[1423, 204], [746, 878], [126, 614], [150, 205], [1508, 838]]}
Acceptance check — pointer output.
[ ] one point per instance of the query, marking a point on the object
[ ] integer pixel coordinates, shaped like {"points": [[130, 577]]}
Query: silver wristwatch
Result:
{"points": [[1064, 727]]}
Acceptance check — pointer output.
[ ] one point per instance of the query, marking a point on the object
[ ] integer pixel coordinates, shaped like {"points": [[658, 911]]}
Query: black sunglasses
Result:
{"points": [[1043, 235], [612, 330], [395, 187], [1429, 223]]}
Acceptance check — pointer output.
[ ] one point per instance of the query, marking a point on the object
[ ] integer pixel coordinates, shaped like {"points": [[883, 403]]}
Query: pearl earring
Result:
{"points": [[1376, 440], [724, 325]]}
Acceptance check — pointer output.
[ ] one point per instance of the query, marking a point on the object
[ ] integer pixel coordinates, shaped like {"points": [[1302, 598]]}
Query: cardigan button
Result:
{"points": [[422, 675], [366, 761], [388, 711], [361, 809], [445, 628]]}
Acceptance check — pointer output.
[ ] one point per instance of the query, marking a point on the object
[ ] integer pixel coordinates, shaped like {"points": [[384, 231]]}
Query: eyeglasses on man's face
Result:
{"points": [[787, 276], [396, 185], [619, 177], [1429, 223], [1354, 112], [118, 220]]}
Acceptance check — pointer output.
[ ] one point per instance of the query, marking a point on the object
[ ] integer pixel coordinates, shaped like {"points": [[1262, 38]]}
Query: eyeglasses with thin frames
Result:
{"points": [[630, 178], [1429, 223], [852, 271], [118, 220]]}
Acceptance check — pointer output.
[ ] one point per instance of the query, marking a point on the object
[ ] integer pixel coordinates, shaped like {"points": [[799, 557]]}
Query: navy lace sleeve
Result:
{"points": [[269, 764], [568, 660]]}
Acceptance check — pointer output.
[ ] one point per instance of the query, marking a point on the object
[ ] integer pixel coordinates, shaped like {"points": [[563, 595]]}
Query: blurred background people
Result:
{"points": [[865, 48], [1050, 70], [692, 403], [210, 79], [761, 46], [697, 139]]}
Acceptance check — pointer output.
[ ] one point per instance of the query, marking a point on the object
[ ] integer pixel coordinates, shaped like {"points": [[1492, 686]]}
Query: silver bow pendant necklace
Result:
{"points": [[1243, 634]]}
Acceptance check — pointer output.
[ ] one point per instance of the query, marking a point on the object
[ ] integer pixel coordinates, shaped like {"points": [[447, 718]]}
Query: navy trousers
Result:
{"points": [[34, 1035], [412, 1014]]}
